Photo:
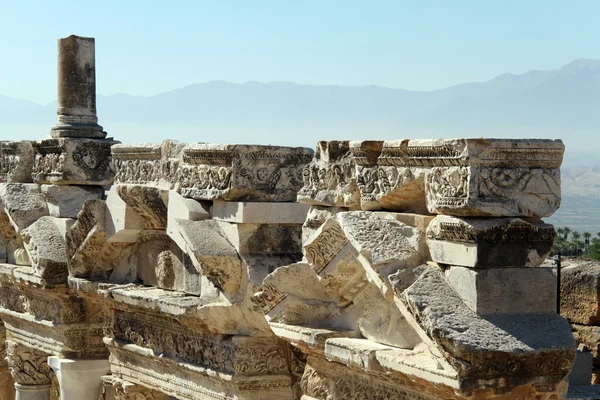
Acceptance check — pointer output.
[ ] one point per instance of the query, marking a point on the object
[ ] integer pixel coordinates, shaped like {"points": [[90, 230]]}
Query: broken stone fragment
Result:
{"points": [[490, 242], [88, 252], [491, 177], [317, 215], [330, 178], [242, 172], [23, 203], [44, 242], [65, 201], [73, 161], [16, 161], [529, 349], [212, 256], [580, 292], [504, 290], [152, 164], [150, 203]]}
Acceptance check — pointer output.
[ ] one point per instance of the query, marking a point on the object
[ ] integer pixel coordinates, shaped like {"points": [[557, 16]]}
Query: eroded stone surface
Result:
{"points": [[45, 244], [492, 177], [16, 161], [154, 164], [490, 242], [242, 172], [23, 203], [330, 179]]}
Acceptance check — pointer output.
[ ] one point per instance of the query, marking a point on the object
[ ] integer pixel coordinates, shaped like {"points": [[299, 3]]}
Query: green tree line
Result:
{"points": [[577, 244]]}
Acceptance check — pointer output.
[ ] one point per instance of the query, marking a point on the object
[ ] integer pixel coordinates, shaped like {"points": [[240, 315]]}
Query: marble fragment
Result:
{"points": [[330, 178], [16, 161], [73, 161], [44, 242], [23, 203], [492, 177], [242, 172], [153, 164], [123, 223], [489, 242]]}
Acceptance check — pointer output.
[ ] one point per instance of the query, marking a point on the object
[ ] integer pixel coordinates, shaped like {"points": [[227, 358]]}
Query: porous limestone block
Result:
{"points": [[490, 242], [504, 350], [65, 201], [504, 290], [44, 242], [330, 178], [23, 203], [73, 161], [588, 336], [123, 223], [212, 255], [242, 172], [491, 177], [16, 161], [388, 176], [580, 292], [149, 202], [153, 164], [259, 213]]}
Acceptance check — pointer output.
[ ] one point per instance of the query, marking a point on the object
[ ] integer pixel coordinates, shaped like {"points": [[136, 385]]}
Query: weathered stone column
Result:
{"points": [[78, 379], [30, 372], [77, 89]]}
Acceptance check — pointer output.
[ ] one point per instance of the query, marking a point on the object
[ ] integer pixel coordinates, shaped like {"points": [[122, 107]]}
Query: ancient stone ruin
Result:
{"points": [[404, 269]]}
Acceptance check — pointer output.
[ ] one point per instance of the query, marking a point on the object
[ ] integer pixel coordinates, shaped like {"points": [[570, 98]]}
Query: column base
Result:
{"points": [[78, 379], [32, 392]]}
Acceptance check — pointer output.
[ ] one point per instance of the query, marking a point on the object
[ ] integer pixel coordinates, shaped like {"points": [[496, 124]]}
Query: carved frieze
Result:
{"points": [[242, 172], [73, 161], [153, 164], [494, 242], [330, 178], [238, 355], [44, 306], [16, 161]]}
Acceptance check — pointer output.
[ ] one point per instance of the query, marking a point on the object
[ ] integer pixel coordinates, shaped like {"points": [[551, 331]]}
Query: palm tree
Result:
{"points": [[577, 246], [560, 232], [586, 240], [576, 235], [566, 231]]}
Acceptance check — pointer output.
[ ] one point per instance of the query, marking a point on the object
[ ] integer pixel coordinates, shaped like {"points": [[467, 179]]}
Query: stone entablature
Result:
{"points": [[364, 270]]}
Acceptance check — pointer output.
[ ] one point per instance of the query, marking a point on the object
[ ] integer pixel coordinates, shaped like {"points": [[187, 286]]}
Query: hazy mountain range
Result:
{"points": [[560, 103]]}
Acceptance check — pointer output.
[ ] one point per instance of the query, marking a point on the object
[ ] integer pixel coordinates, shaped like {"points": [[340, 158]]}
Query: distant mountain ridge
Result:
{"points": [[561, 103]]}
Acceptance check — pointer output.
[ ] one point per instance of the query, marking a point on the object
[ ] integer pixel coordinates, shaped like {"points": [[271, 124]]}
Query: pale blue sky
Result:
{"points": [[147, 47]]}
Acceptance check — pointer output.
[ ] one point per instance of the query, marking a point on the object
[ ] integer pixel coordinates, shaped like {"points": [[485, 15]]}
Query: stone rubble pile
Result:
{"points": [[405, 269]]}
